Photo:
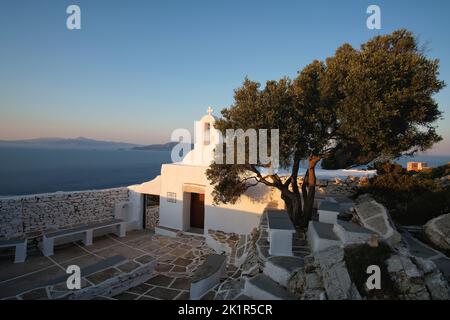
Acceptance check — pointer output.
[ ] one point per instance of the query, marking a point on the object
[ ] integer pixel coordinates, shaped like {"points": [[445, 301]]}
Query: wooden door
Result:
{"points": [[197, 210]]}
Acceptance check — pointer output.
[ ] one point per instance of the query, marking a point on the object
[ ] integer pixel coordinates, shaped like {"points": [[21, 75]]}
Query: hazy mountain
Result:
{"points": [[76, 143], [163, 147]]}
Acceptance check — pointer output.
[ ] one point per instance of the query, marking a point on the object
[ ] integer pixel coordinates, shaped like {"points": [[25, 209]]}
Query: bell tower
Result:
{"points": [[205, 140]]}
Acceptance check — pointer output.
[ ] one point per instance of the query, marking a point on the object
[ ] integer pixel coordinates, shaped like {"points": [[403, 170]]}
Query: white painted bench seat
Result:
{"points": [[21, 248], [321, 236], [280, 231], [207, 275], [328, 212], [87, 231]]}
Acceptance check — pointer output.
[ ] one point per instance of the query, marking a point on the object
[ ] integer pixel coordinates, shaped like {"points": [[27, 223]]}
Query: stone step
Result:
{"points": [[165, 231], [280, 269], [261, 287], [207, 275]]}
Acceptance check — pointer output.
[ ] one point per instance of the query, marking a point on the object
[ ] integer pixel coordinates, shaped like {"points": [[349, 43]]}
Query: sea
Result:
{"points": [[37, 170], [32, 170]]}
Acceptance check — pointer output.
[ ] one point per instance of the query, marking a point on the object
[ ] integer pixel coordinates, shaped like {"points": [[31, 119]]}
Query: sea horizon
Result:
{"points": [[28, 171]]}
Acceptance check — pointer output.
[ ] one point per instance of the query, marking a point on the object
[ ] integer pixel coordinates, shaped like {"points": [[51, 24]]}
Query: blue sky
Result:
{"points": [[139, 69]]}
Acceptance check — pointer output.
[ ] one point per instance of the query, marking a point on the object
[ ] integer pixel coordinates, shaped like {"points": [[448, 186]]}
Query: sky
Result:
{"points": [[137, 70]]}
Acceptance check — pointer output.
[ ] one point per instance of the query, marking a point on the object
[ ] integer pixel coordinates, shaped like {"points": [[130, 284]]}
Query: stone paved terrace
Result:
{"points": [[177, 259]]}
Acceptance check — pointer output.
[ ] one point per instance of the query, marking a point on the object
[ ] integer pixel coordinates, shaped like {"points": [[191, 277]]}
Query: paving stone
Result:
{"points": [[161, 251], [67, 251], [163, 293], [82, 262], [189, 255], [140, 289], [167, 258], [145, 259], [102, 242], [209, 296], [146, 298], [37, 294], [178, 252], [121, 250], [182, 262], [181, 283], [151, 247], [160, 280], [178, 269], [163, 267], [140, 242], [185, 295], [126, 296]]}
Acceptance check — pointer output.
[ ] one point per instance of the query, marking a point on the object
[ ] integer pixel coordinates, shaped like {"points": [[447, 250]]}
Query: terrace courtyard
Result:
{"points": [[175, 260]]}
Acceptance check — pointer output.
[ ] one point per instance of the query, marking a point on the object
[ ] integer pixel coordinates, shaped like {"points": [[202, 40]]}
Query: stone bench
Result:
{"points": [[321, 236], [86, 230], [351, 233], [21, 248], [280, 233], [207, 275], [328, 212]]}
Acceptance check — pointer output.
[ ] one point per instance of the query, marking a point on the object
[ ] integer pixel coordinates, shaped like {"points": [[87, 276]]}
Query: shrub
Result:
{"points": [[411, 198]]}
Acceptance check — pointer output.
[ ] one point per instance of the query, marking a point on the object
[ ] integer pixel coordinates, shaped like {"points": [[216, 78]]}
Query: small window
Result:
{"points": [[171, 197]]}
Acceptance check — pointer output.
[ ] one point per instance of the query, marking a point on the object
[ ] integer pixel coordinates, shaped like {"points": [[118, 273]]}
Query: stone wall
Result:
{"points": [[151, 217], [35, 213], [11, 218], [234, 245]]}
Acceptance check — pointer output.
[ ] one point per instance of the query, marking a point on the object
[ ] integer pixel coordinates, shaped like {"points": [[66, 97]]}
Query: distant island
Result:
{"points": [[83, 143], [67, 143], [159, 147]]}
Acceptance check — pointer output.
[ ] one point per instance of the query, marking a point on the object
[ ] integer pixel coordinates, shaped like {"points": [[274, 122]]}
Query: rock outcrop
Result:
{"points": [[374, 216], [407, 277], [336, 279], [435, 282], [437, 231]]}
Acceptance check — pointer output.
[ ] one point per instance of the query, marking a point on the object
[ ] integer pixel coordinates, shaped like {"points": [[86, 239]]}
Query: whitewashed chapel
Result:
{"points": [[186, 201]]}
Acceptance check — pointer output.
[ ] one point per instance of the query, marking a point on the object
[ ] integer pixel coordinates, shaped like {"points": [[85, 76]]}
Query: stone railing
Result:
{"points": [[34, 213]]}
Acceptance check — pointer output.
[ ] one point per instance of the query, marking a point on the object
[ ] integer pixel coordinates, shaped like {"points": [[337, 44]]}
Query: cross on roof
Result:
{"points": [[209, 111]]}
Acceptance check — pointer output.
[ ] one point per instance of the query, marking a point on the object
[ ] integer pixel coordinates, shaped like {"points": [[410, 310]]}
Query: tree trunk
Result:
{"points": [[311, 187], [293, 205], [304, 187]]}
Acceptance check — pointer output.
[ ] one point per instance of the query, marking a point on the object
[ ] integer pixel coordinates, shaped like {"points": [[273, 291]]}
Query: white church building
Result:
{"points": [[186, 201]]}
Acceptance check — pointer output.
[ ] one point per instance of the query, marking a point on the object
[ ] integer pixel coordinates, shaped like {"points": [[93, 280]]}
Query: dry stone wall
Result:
{"points": [[35, 213], [151, 217]]}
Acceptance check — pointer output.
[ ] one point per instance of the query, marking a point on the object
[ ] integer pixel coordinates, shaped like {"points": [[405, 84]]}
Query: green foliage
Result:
{"points": [[385, 91], [384, 99], [356, 107], [346, 156], [412, 198], [227, 181], [438, 172]]}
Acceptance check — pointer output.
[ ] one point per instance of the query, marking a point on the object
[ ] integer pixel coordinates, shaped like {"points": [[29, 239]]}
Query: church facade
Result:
{"points": [[186, 201]]}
